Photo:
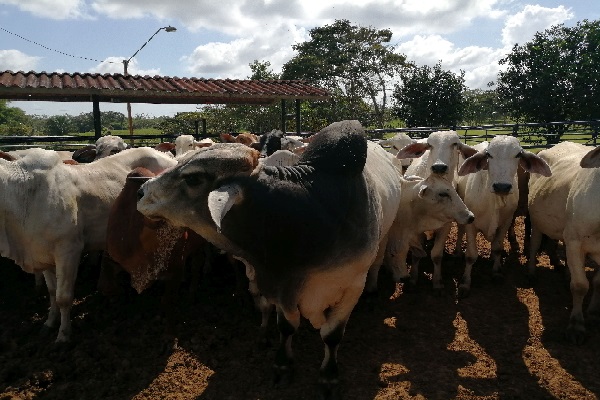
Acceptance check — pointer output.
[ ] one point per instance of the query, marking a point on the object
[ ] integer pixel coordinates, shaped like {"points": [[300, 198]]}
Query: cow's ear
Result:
{"points": [[422, 191], [532, 163], [591, 159], [6, 156], [466, 150], [221, 200], [413, 150], [476, 162], [165, 147], [227, 138], [86, 154]]}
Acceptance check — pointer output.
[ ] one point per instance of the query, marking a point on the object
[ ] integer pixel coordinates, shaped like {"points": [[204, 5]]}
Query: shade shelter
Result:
{"points": [[120, 88]]}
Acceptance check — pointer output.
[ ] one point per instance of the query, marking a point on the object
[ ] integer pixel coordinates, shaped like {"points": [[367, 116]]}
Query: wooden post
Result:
{"points": [[298, 117], [96, 115], [283, 116]]}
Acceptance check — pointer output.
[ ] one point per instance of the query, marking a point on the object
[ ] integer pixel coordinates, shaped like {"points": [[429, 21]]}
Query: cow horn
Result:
{"points": [[221, 200]]}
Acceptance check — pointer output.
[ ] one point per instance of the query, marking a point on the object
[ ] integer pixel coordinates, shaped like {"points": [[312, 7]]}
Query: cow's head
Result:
{"points": [[443, 147], [501, 157], [438, 203], [180, 195]]}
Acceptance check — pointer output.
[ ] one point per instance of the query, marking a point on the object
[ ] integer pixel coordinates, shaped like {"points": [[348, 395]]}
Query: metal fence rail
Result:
{"points": [[531, 135]]}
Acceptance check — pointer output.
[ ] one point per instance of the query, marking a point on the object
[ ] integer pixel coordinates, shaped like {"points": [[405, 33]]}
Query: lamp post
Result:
{"points": [[126, 64]]}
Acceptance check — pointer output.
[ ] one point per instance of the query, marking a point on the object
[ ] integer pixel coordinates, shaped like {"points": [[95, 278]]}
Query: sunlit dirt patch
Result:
{"points": [[484, 366], [540, 362]]}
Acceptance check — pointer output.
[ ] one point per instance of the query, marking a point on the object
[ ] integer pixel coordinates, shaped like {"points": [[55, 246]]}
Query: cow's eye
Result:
{"points": [[444, 195], [194, 179]]}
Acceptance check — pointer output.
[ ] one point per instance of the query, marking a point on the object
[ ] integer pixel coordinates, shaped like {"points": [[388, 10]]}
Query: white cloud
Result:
{"points": [[231, 60], [14, 60], [54, 9], [479, 63], [521, 27]]}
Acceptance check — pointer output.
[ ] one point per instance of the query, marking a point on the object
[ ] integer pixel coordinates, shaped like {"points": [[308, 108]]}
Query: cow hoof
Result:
{"points": [[463, 292], [61, 347], [497, 277], [329, 391], [283, 375], [575, 334], [408, 286], [264, 343], [532, 280], [45, 332]]}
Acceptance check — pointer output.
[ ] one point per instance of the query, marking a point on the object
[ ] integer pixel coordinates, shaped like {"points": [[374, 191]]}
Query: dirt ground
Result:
{"points": [[505, 341]]}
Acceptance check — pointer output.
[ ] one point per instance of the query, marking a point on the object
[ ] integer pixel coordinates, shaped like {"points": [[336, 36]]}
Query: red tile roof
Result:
{"points": [[119, 88]]}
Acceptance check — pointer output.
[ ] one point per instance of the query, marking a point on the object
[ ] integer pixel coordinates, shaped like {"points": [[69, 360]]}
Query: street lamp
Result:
{"points": [[126, 64]]}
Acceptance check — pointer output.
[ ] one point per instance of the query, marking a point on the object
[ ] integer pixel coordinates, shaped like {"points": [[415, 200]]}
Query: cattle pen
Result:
{"points": [[532, 135]]}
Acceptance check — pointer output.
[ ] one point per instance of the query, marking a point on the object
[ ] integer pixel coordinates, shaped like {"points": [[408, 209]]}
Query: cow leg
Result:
{"points": [[332, 332], [579, 287], [398, 266], [66, 273], [287, 323], [534, 246], [497, 247], [471, 256], [53, 313], [437, 254], [265, 309], [593, 310], [458, 251]]}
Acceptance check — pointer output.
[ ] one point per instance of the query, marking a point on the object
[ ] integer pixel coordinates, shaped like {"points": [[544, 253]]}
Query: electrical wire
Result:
{"points": [[57, 51]]}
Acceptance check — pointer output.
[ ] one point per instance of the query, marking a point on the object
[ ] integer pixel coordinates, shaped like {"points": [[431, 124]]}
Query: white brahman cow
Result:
{"points": [[307, 233], [565, 207], [425, 204], [439, 155], [488, 185], [51, 212], [394, 145]]}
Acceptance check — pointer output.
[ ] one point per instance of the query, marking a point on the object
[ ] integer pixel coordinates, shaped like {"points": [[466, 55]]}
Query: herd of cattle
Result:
{"points": [[312, 220]]}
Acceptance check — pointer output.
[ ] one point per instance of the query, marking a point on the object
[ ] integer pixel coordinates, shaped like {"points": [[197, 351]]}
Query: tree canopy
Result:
{"points": [[430, 96], [355, 63], [555, 76]]}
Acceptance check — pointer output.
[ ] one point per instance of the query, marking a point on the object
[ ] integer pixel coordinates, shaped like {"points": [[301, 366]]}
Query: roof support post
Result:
{"points": [[283, 116], [297, 117], [96, 115]]}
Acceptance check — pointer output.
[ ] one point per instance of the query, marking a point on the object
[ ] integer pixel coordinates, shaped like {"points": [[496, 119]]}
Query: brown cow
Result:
{"points": [[148, 250]]}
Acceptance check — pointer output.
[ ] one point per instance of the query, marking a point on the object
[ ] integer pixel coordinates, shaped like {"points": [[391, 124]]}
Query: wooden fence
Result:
{"points": [[531, 135]]}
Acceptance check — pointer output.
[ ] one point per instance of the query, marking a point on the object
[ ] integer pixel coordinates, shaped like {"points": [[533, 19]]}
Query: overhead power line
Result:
{"points": [[57, 51]]}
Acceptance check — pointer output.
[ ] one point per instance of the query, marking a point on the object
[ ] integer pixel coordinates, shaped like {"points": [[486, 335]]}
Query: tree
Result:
{"points": [[430, 96], [59, 125], [481, 106], [355, 63], [13, 120], [555, 76]]}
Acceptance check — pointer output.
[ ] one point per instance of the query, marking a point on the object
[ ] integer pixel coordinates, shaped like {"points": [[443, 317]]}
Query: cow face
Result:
{"points": [[501, 158], [180, 195], [443, 148], [441, 203]]}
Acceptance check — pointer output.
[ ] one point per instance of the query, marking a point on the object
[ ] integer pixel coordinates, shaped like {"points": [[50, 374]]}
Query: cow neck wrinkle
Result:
{"points": [[294, 173]]}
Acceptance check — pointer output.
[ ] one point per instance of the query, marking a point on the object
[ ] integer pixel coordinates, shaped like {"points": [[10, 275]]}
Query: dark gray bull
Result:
{"points": [[306, 233]]}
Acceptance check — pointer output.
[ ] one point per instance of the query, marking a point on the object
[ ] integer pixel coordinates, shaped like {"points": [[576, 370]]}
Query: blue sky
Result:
{"points": [[220, 39]]}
